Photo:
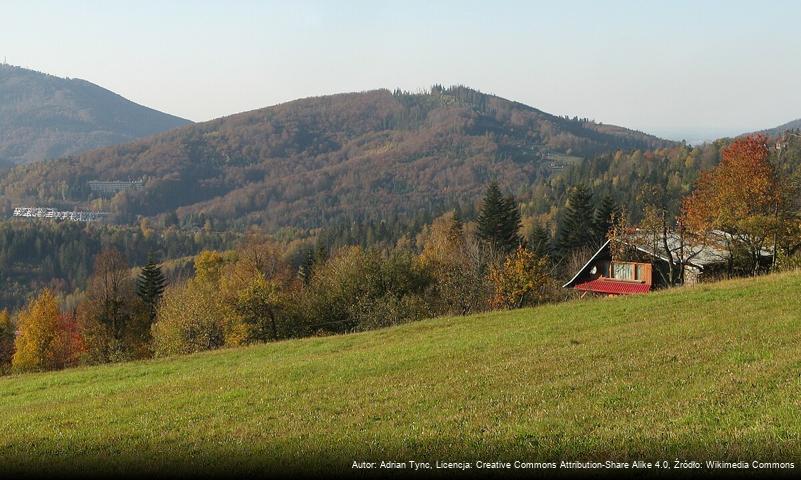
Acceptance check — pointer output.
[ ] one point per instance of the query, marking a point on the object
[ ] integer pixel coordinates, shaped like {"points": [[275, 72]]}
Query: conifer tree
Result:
{"points": [[150, 286], [512, 225], [540, 241], [306, 267], [602, 221], [499, 220], [577, 226]]}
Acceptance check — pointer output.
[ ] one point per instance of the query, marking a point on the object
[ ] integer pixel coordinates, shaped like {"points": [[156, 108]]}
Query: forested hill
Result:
{"points": [[43, 116], [315, 160], [793, 125]]}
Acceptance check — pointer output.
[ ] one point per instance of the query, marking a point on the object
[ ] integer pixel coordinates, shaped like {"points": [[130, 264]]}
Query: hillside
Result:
{"points": [[706, 372], [43, 117], [793, 125], [315, 160]]}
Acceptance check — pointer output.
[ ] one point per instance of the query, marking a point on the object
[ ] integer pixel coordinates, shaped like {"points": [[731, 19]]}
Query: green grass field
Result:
{"points": [[704, 372]]}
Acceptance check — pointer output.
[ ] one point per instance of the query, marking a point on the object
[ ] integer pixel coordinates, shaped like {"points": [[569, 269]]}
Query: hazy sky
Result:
{"points": [[673, 68]]}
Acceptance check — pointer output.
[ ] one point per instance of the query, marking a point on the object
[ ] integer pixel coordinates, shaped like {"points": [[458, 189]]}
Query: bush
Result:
{"points": [[359, 289], [189, 319]]}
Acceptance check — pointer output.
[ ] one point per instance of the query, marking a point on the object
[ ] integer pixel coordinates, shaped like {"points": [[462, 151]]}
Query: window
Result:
{"points": [[623, 271], [640, 272]]}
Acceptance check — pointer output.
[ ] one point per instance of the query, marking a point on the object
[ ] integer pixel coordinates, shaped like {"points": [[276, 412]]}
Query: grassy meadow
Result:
{"points": [[705, 372]]}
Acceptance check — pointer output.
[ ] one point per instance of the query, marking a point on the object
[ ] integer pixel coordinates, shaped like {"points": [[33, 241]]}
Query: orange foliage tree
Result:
{"points": [[742, 196]]}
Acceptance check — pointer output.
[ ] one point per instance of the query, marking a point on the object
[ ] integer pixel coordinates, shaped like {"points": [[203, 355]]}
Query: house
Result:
{"points": [[647, 266]]}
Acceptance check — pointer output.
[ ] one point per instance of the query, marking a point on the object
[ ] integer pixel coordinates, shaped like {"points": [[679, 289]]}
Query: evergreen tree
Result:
{"points": [[150, 286], [307, 266], [602, 221], [499, 220], [577, 228], [512, 225], [540, 241]]}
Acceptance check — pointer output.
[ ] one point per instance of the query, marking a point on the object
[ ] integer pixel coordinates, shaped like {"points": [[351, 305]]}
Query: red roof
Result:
{"points": [[614, 287]]}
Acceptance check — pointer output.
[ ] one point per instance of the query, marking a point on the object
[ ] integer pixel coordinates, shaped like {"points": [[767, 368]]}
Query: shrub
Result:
{"points": [[359, 289]]}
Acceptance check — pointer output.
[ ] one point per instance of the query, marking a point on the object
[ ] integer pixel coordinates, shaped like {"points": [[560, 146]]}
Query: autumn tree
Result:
{"points": [[741, 196], [622, 237], [522, 279], [358, 289], [255, 287], [260, 306], [115, 326], [190, 319], [208, 265], [458, 265], [47, 339]]}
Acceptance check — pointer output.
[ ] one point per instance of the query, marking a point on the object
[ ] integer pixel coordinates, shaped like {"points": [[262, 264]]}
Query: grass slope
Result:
{"points": [[710, 370]]}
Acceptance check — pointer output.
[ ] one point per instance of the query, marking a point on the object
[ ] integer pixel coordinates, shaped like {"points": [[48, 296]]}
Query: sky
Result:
{"points": [[679, 69]]}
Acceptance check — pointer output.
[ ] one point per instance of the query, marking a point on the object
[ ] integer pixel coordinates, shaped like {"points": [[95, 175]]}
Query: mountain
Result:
{"points": [[349, 156], [793, 125], [43, 116]]}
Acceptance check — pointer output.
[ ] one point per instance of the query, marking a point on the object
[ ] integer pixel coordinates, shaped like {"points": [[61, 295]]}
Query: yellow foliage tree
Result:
{"points": [[457, 263], [43, 342], [208, 265], [522, 279], [189, 319]]}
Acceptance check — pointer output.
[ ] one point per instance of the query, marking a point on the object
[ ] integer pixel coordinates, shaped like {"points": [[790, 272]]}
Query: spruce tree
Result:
{"points": [[540, 241], [602, 221], [150, 286], [307, 267], [577, 229], [512, 225], [499, 220]]}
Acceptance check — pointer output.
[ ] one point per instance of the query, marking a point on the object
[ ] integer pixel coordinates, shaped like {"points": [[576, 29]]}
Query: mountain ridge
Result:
{"points": [[304, 162], [44, 116], [791, 125]]}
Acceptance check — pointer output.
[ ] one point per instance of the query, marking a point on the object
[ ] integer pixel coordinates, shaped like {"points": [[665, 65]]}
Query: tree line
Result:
{"points": [[269, 289], [255, 293]]}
